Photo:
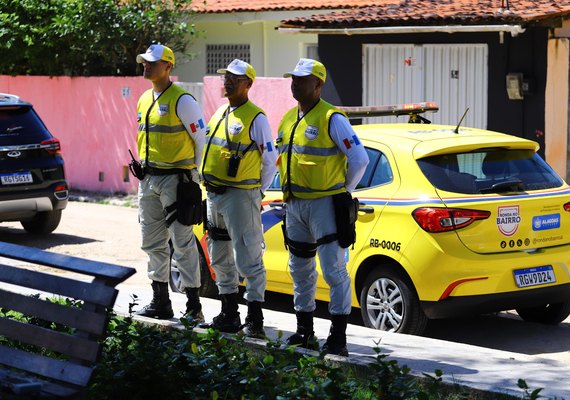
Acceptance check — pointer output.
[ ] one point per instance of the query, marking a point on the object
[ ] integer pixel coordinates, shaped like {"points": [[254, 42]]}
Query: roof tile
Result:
{"points": [[229, 6], [437, 12]]}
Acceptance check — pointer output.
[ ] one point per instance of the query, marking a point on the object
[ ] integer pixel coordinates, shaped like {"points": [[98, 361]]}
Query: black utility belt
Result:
{"points": [[216, 189], [164, 171]]}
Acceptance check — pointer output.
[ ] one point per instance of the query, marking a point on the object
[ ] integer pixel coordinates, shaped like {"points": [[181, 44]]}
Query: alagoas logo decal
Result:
{"points": [[235, 128], [311, 132], [508, 220], [545, 222], [163, 109]]}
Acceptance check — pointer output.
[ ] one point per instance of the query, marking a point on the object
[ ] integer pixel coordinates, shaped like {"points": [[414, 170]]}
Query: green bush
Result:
{"points": [[147, 361], [143, 361]]}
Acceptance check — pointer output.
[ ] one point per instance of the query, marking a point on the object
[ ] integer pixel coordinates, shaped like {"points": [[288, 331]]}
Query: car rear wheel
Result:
{"points": [[550, 314], [208, 286], [389, 302], [43, 222]]}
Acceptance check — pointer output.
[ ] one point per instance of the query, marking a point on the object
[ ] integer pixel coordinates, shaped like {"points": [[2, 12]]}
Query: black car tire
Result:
{"points": [[550, 314], [389, 302], [208, 286], [43, 222]]}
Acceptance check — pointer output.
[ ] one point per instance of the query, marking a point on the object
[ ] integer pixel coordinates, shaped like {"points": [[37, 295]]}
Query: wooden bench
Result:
{"points": [[53, 363]]}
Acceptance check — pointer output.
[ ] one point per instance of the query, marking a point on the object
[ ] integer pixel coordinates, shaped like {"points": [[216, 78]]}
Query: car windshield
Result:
{"points": [[489, 171], [21, 125]]}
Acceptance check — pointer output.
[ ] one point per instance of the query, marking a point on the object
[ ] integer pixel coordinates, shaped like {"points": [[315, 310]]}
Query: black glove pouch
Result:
{"points": [[189, 203], [346, 214]]}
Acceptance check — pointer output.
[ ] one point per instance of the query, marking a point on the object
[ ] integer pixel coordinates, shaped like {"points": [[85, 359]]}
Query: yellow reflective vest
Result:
{"points": [[310, 163], [169, 144], [235, 126]]}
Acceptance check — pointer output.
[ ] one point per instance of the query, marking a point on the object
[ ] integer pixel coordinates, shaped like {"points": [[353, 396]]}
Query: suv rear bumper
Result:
{"points": [[18, 206]]}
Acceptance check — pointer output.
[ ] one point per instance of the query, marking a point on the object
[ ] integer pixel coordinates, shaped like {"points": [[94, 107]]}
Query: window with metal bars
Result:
{"points": [[220, 55]]}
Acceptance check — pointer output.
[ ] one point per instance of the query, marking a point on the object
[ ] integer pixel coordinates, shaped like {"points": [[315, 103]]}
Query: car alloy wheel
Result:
{"points": [[389, 303]]}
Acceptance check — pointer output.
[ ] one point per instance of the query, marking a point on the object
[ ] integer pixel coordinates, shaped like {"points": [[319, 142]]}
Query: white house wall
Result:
{"points": [[272, 53]]}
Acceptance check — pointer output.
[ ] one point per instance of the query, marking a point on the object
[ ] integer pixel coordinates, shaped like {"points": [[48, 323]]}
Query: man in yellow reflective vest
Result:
{"points": [[238, 166], [320, 157], [170, 140]]}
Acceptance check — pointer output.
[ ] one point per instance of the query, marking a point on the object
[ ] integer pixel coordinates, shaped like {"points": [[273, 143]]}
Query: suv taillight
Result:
{"points": [[567, 207], [61, 192], [52, 146], [433, 219]]}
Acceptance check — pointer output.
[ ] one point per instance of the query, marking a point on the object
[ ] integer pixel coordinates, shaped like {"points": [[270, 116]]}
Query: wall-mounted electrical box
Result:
{"points": [[517, 86]]}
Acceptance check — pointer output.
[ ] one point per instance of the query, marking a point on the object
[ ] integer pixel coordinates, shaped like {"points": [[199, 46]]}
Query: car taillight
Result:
{"points": [[61, 192], [52, 146], [433, 219], [567, 206]]}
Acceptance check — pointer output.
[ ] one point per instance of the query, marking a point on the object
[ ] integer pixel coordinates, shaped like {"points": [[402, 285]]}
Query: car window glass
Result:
{"points": [[21, 126], [275, 183], [489, 171], [378, 171]]}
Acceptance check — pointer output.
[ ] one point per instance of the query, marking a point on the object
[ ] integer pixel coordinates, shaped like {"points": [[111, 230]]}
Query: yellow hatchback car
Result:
{"points": [[453, 221]]}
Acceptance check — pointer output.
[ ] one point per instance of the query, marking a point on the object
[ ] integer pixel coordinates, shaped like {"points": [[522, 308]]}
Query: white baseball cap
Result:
{"points": [[306, 67], [157, 52], [239, 67]]}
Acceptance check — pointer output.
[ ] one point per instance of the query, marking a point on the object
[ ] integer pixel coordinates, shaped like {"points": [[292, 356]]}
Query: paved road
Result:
{"points": [[464, 348]]}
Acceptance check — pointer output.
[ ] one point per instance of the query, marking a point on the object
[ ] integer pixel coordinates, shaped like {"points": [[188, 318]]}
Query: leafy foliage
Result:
{"points": [[86, 37], [30, 319], [146, 361], [142, 361]]}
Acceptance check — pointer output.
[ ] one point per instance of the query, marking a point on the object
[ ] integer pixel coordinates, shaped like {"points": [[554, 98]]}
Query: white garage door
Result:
{"points": [[453, 75]]}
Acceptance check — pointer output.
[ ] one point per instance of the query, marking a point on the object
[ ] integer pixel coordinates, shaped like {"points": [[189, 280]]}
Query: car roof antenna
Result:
{"points": [[461, 120]]}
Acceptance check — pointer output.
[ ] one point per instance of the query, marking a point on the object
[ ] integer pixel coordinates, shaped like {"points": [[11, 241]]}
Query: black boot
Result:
{"points": [[305, 335], [253, 326], [160, 306], [193, 305], [228, 320], [336, 342]]}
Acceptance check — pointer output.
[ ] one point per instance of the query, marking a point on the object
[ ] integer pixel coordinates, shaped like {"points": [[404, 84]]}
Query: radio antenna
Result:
{"points": [[461, 120]]}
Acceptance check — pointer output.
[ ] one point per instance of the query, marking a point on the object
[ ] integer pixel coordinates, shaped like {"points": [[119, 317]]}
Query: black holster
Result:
{"points": [[214, 232], [187, 209], [189, 202], [303, 249], [205, 214], [346, 214]]}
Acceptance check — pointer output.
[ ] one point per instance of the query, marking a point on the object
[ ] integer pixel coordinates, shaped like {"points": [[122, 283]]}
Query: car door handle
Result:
{"points": [[366, 209], [276, 204]]}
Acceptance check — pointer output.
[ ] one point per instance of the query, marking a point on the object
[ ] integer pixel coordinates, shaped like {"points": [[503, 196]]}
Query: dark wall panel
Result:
{"points": [[525, 53]]}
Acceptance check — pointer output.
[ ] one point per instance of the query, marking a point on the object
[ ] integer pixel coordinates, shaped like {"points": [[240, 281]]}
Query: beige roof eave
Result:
{"points": [[514, 30]]}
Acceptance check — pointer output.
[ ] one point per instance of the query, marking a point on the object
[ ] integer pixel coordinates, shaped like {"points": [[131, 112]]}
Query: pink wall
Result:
{"points": [[95, 119]]}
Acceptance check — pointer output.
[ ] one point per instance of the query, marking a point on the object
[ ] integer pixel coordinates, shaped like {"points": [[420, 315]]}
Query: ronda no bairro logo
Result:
{"points": [[508, 220]]}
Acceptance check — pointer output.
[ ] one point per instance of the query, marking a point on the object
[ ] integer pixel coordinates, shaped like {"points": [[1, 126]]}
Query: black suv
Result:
{"points": [[33, 189]]}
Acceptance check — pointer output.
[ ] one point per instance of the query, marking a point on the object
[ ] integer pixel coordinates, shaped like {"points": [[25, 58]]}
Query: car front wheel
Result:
{"points": [[389, 303], [43, 222], [550, 314]]}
